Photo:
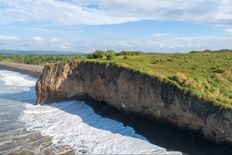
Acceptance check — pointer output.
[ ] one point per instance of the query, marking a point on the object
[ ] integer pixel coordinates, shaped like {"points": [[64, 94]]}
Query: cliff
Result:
{"points": [[133, 92]]}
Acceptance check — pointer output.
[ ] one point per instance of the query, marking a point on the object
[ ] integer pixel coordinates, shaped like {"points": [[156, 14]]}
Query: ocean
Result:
{"points": [[84, 127], [70, 127]]}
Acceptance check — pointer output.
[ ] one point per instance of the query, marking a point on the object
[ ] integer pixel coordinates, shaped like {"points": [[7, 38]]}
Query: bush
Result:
{"points": [[108, 55], [90, 56], [131, 53], [218, 70], [110, 51], [96, 55]]}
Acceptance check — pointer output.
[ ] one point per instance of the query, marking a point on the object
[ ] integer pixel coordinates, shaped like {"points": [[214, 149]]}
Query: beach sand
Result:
{"points": [[33, 70]]}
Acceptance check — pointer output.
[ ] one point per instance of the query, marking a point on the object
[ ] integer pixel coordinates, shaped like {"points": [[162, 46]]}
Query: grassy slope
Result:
{"points": [[207, 75]]}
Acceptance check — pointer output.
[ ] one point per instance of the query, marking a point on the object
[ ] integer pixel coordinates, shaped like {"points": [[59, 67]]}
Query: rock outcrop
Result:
{"points": [[133, 92]]}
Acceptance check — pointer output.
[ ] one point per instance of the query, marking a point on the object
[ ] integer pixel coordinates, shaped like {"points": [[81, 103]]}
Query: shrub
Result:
{"points": [[90, 56], [98, 54], [218, 70], [131, 53], [179, 77], [109, 56], [125, 57], [110, 51], [207, 51]]}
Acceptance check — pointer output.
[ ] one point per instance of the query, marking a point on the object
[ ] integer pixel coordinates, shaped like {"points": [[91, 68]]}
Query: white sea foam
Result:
{"points": [[74, 123], [16, 79]]}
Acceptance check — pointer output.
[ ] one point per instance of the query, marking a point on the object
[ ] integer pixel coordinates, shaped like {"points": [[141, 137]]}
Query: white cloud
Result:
{"points": [[54, 11], [63, 46], [228, 30], [8, 38], [116, 11], [60, 43], [54, 40], [38, 39], [161, 35], [66, 45], [205, 11], [51, 44], [170, 43]]}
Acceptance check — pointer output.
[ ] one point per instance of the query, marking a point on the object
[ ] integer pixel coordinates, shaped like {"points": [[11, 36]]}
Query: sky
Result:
{"points": [[87, 25]]}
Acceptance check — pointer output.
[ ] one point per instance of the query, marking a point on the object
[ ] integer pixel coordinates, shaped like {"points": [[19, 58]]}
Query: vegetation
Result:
{"points": [[35, 59], [110, 54], [207, 74]]}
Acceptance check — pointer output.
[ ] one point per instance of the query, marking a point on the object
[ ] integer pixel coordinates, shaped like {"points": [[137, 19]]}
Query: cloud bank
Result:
{"points": [[8, 38], [96, 12], [74, 24]]}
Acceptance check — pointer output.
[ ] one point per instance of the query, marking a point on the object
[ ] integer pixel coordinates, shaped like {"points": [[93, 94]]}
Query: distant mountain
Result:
{"points": [[39, 52]]}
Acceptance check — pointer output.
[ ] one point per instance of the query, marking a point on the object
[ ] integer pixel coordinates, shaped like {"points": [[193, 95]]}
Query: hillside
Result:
{"points": [[207, 75], [157, 97]]}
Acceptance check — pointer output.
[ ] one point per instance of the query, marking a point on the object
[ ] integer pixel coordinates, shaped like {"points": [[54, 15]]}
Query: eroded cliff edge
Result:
{"points": [[134, 92]]}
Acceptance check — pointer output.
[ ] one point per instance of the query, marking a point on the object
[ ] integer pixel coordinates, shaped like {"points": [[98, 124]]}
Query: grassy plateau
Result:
{"points": [[206, 74]]}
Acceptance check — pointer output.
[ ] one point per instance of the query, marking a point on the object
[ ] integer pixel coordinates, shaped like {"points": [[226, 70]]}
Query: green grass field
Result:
{"points": [[207, 75]]}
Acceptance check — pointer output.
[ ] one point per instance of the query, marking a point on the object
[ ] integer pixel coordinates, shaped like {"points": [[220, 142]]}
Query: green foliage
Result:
{"points": [[110, 51], [131, 53], [34, 59], [206, 74], [217, 69], [111, 54], [107, 55], [99, 54]]}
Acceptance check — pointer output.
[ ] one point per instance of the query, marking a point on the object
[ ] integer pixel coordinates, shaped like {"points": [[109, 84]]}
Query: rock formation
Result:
{"points": [[133, 92]]}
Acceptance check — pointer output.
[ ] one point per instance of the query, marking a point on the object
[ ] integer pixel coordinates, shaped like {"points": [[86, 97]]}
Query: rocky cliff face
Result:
{"points": [[134, 92]]}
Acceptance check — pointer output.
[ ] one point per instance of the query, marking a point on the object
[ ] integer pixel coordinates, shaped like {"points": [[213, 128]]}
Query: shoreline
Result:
{"points": [[32, 70], [125, 90], [147, 130]]}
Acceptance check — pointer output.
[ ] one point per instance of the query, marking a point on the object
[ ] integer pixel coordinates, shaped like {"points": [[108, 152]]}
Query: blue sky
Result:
{"points": [[88, 25]]}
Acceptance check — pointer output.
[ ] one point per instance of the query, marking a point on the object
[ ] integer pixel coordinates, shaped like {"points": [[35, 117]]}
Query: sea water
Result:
{"points": [[70, 127]]}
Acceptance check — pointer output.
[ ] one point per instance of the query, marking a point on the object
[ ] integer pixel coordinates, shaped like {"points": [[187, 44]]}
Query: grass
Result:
{"points": [[207, 75], [35, 59]]}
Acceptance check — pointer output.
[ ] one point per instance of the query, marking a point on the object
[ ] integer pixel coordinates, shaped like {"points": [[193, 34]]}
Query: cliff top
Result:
{"points": [[207, 75]]}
